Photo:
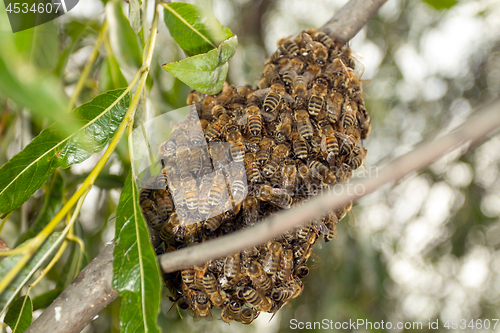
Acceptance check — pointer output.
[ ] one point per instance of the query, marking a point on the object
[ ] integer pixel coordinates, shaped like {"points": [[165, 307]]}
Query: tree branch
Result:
{"points": [[351, 18], [82, 300]]}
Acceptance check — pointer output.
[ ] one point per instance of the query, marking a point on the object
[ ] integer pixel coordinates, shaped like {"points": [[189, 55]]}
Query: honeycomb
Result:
{"points": [[245, 154]]}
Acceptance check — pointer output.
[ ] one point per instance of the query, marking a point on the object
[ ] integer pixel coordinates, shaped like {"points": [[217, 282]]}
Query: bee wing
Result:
{"points": [[261, 93], [288, 98], [323, 143], [308, 76], [308, 39], [243, 120]]}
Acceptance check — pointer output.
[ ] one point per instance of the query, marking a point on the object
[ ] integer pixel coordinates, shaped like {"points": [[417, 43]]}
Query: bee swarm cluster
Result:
{"points": [[296, 135]]}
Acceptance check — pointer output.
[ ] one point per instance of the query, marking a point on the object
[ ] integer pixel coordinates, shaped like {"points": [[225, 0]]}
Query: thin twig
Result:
{"points": [[472, 131], [351, 18]]}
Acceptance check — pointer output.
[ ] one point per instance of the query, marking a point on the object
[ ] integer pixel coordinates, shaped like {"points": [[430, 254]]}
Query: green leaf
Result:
{"points": [[44, 300], [136, 275], [134, 15], [53, 201], [124, 41], [205, 72], [25, 173], [26, 272], [441, 4], [195, 30], [20, 314]]}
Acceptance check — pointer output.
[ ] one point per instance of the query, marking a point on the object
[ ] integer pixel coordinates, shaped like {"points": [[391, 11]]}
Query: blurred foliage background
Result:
{"points": [[425, 248]]}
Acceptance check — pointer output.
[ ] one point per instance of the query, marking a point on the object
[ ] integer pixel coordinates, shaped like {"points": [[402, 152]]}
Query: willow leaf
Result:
{"points": [[20, 314], [205, 72], [26, 172], [194, 30], [136, 275]]}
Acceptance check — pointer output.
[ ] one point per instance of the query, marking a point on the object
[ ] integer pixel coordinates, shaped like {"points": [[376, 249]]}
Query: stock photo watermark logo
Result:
{"points": [[25, 14]]}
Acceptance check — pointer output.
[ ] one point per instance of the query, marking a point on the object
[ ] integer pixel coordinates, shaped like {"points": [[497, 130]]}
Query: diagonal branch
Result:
{"points": [[351, 18]]}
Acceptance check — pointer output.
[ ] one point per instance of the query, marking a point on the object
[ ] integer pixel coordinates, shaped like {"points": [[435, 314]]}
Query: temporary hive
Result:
{"points": [[244, 154]]}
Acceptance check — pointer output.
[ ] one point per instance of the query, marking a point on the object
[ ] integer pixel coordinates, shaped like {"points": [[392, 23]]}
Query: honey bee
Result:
{"points": [[320, 36], [191, 192], [280, 152], [214, 130], [178, 192], [275, 196], [251, 296], [232, 267], [299, 145], [194, 97], [302, 271], [334, 107], [167, 150], [336, 73], [251, 212], [144, 195], [167, 229], [364, 121], [252, 171], [206, 109], [357, 158], [288, 76], [272, 259], [318, 51], [254, 118], [300, 88], [196, 160], [270, 76], [219, 156], [305, 175], [253, 143], [151, 213], [347, 143], [213, 223], [281, 294], [350, 110], [304, 126], [201, 306], [237, 149], [163, 202], [211, 287], [284, 128], [322, 172], [259, 277], [231, 311], [247, 315], [218, 110], [187, 275], [273, 101], [216, 190], [296, 286], [288, 46], [329, 142], [289, 176], [265, 150], [331, 224], [317, 97], [225, 96], [286, 265]]}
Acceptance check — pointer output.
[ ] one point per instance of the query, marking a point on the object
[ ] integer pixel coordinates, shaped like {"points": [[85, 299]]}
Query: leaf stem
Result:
{"points": [[88, 66]]}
